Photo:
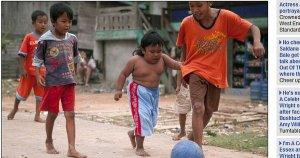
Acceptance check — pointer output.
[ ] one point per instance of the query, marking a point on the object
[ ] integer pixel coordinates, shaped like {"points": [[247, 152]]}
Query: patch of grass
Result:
{"points": [[249, 142], [210, 133]]}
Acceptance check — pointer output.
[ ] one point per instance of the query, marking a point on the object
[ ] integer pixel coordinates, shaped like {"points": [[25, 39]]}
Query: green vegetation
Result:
{"points": [[249, 142]]}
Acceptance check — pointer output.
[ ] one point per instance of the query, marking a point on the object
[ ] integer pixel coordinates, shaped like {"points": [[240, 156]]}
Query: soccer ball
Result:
{"points": [[187, 149]]}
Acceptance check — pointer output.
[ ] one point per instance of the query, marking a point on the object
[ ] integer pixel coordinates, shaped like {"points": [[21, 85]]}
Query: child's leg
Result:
{"points": [[49, 128], [68, 102], [183, 105], [182, 120], [22, 92], [14, 110], [37, 117], [206, 118], [212, 99], [88, 75], [198, 89], [70, 126], [82, 74], [132, 138], [140, 151], [39, 92], [197, 122]]}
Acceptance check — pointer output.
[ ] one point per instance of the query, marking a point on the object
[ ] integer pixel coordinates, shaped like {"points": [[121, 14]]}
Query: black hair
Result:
{"points": [[150, 38], [58, 9], [210, 3], [37, 13], [89, 54]]}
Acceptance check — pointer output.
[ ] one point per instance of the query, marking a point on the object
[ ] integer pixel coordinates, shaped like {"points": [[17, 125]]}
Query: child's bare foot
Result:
{"points": [[50, 148], [179, 136], [12, 114], [76, 154], [141, 152], [38, 119], [132, 138], [191, 138]]}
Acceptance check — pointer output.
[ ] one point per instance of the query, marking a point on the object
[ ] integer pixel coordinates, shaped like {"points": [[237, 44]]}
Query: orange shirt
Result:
{"points": [[27, 50], [206, 48]]}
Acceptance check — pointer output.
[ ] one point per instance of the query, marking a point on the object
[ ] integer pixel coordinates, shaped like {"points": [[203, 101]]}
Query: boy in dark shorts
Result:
{"points": [[203, 39]]}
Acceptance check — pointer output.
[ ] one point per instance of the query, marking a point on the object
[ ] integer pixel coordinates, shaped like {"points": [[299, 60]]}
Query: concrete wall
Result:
{"points": [[86, 24], [16, 16], [98, 50], [156, 7], [116, 55], [16, 19]]}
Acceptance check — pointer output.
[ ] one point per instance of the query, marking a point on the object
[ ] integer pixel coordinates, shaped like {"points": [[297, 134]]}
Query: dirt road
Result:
{"points": [[22, 137]]}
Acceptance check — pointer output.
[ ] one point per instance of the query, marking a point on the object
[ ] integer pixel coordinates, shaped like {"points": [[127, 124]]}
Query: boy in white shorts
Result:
{"points": [[182, 105]]}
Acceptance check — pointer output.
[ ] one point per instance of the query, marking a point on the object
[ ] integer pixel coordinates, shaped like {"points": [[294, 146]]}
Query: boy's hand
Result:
{"points": [[258, 49], [40, 80], [118, 95]]}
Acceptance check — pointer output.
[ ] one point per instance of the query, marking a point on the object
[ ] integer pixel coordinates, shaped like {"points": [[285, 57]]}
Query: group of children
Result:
{"points": [[55, 51], [203, 41]]}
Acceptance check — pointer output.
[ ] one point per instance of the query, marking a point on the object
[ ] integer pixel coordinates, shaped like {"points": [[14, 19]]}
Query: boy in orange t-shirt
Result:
{"points": [[203, 39], [26, 53]]}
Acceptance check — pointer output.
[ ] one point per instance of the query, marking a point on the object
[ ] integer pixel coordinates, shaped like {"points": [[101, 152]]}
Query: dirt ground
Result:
{"points": [[101, 125]]}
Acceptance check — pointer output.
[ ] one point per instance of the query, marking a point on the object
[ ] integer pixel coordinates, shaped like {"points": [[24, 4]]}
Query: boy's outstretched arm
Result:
{"points": [[122, 77], [258, 49], [182, 59], [171, 63]]}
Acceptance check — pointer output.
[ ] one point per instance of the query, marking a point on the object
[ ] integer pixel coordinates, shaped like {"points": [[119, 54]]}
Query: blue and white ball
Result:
{"points": [[187, 149]]}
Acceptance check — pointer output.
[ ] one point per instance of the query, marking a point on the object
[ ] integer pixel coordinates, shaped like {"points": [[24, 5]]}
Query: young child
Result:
{"points": [[203, 38], [57, 49], [146, 67], [87, 69], [182, 105], [27, 79]]}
